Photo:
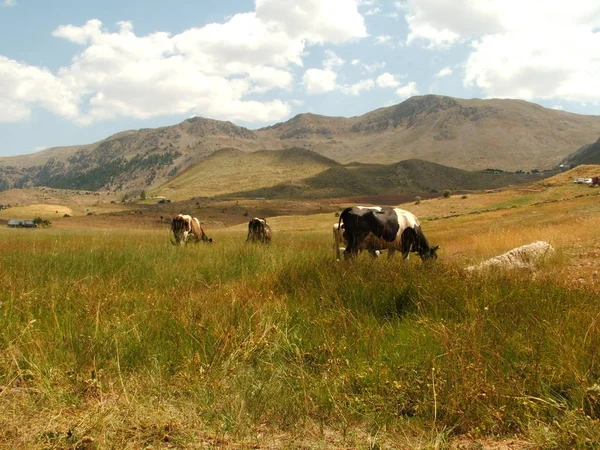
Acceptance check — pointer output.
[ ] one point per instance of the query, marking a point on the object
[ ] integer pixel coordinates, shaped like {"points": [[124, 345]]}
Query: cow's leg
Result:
{"points": [[391, 251], [408, 241]]}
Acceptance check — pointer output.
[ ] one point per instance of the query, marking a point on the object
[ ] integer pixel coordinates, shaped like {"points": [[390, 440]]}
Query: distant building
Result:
{"points": [[21, 223]]}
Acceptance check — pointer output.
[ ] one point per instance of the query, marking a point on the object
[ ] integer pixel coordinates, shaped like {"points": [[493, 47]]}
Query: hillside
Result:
{"points": [[231, 170], [467, 134], [130, 160], [301, 173], [588, 154]]}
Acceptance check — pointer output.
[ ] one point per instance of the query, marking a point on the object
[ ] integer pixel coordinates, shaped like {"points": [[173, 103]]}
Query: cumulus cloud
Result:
{"points": [[212, 70], [333, 61], [540, 49], [8, 3], [23, 86], [318, 81], [317, 21], [445, 72], [357, 88], [407, 90], [387, 80]]}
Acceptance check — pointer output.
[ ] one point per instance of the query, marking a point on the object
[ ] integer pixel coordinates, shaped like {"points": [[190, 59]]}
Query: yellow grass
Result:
{"points": [[232, 171], [47, 212]]}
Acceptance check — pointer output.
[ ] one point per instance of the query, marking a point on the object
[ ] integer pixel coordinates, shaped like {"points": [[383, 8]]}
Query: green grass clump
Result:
{"points": [[123, 338]]}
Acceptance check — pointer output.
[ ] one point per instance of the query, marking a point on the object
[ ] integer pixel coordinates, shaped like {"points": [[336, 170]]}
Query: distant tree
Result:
{"points": [[42, 222], [143, 195], [447, 193], [417, 200]]}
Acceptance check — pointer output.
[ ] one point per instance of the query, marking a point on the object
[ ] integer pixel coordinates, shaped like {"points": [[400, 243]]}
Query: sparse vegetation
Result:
{"points": [[446, 193], [417, 200], [44, 223]]}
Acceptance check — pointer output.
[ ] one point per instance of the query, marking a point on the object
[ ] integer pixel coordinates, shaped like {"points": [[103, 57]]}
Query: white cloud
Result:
{"points": [[373, 12], [23, 86], [407, 90], [210, 70], [539, 49], [355, 62], [370, 68], [333, 61], [357, 88], [317, 21], [541, 64], [387, 80], [445, 72], [318, 81], [9, 3], [383, 39]]}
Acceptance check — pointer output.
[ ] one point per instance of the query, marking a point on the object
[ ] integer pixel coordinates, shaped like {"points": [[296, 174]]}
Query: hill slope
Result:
{"points": [[588, 154], [300, 173], [130, 160], [467, 134], [231, 170]]}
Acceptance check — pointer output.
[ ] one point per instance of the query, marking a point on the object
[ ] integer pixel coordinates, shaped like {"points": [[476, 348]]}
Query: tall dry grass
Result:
{"points": [[121, 340]]}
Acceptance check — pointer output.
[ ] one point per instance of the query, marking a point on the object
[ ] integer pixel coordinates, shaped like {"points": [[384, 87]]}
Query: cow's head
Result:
{"points": [[430, 253]]}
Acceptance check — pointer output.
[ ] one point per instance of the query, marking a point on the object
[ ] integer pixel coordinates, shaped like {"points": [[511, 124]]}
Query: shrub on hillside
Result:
{"points": [[41, 222]]}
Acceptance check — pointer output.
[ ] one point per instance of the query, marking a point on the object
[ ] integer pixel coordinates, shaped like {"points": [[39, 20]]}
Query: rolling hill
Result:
{"points": [[231, 170], [588, 154], [466, 134], [301, 173]]}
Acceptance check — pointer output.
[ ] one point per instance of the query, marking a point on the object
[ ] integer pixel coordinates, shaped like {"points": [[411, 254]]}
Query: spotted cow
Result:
{"points": [[377, 228]]}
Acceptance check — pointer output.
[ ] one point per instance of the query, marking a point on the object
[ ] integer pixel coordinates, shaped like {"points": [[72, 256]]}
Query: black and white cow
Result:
{"points": [[377, 228], [259, 231]]}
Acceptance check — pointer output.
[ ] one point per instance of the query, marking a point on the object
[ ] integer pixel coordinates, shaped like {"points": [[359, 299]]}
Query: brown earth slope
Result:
{"points": [[467, 134]]}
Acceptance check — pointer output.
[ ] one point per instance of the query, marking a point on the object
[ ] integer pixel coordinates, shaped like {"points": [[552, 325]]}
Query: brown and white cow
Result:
{"points": [[259, 231], [376, 228], [186, 227]]}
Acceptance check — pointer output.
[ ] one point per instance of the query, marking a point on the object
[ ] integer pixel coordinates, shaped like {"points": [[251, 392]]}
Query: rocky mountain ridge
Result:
{"points": [[466, 134]]}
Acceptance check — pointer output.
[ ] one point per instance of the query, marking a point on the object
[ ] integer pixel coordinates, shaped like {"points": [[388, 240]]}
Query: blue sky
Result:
{"points": [[74, 72]]}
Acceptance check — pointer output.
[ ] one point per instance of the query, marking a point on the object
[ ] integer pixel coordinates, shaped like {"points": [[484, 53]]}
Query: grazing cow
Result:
{"points": [[184, 226], [339, 239], [258, 230], [377, 228]]}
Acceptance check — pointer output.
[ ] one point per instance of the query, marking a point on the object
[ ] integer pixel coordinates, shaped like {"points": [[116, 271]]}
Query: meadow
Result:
{"points": [[117, 339]]}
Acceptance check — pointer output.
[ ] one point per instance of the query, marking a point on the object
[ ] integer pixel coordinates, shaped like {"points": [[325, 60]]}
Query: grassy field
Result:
{"points": [[117, 339]]}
